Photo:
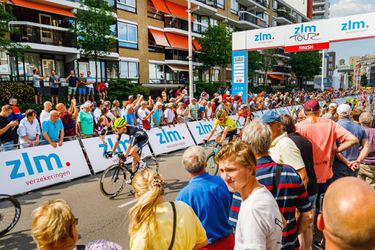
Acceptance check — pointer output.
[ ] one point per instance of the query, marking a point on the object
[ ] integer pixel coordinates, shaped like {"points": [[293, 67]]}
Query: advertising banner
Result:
{"points": [[264, 38], [95, 149], [168, 139], [32, 168], [239, 73], [200, 130]]}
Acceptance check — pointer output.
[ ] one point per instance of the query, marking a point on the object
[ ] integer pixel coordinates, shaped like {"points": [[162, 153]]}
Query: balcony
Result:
{"points": [[180, 27], [205, 7], [283, 17], [320, 2], [256, 5], [49, 36], [248, 20]]}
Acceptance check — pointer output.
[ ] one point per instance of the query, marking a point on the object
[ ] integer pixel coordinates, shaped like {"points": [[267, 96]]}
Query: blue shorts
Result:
{"points": [[82, 91]]}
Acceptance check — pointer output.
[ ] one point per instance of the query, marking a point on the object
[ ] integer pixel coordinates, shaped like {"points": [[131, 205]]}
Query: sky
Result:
{"points": [[341, 8]]}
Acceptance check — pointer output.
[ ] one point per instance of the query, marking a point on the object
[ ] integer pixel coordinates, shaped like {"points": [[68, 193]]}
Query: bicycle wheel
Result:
{"points": [[151, 163], [212, 167], [112, 181], [10, 212]]}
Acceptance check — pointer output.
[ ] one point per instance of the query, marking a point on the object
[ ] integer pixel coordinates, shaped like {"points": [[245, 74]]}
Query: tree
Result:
{"points": [[306, 65], [93, 28], [216, 44], [268, 61], [364, 80], [6, 44], [254, 64]]}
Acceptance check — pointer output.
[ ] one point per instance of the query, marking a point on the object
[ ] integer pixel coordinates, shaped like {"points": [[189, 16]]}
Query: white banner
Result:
{"points": [[201, 129], [95, 149], [32, 168], [167, 139], [307, 33]]}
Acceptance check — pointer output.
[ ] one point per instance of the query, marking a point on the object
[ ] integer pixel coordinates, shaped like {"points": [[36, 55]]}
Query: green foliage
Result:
{"points": [[306, 65], [120, 90], [254, 63], [216, 44], [23, 92], [210, 88], [364, 80], [268, 60], [5, 43], [93, 28], [25, 106]]}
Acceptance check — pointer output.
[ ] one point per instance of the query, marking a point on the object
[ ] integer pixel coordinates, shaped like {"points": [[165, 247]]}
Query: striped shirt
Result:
{"points": [[291, 195]]}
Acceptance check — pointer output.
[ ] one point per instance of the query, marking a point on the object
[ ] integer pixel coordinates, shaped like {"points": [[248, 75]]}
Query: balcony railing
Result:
{"points": [[261, 2], [251, 18], [33, 34], [211, 3]]}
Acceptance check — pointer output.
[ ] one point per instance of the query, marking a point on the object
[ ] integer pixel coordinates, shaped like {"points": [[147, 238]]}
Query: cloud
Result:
{"points": [[351, 7]]}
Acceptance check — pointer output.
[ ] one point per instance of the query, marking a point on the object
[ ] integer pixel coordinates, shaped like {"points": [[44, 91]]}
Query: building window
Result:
{"points": [[129, 70], [216, 75], [128, 5], [4, 63], [156, 73], [220, 4], [213, 22], [234, 6], [127, 35], [201, 23]]}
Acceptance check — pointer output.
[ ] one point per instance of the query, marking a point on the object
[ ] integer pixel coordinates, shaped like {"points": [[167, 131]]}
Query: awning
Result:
{"points": [[178, 10], [160, 6], [177, 41], [42, 7], [196, 44], [277, 77], [159, 37], [180, 68]]}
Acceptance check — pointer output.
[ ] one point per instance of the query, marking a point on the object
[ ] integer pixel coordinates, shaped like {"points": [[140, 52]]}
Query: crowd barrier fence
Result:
{"points": [[27, 169]]}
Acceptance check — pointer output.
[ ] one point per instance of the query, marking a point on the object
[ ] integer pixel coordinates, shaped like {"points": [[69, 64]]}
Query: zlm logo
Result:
{"points": [[204, 129], [304, 33], [121, 146], [28, 165], [354, 25], [168, 137], [263, 37]]}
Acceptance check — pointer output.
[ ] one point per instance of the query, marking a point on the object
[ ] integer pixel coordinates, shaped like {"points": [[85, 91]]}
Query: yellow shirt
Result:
{"points": [[229, 123], [189, 230]]}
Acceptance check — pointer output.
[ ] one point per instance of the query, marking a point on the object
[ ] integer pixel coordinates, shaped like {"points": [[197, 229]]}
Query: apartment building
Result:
{"points": [[363, 65], [152, 36], [320, 9]]}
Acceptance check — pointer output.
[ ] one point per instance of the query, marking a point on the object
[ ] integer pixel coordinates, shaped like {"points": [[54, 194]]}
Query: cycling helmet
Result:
{"points": [[119, 123], [221, 114]]}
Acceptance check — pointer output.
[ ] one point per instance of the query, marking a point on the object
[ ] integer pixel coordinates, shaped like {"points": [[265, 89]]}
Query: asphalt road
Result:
{"points": [[99, 217]]}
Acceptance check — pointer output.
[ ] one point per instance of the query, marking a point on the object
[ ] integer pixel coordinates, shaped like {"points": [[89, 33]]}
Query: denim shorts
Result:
{"points": [[82, 91]]}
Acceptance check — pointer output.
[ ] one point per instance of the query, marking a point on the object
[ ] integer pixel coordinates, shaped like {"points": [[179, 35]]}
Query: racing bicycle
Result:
{"points": [[211, 167], [116, 176], [10, 213]]}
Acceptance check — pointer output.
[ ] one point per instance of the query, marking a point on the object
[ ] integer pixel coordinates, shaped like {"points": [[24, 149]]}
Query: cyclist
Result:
{"points": [[138, 138], [245, 113], [228, 125]]}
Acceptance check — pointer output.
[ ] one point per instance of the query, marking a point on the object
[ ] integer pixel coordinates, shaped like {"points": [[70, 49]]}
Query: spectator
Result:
{"points": [[367, 166], [130, 99], [98, 110], [169, 115], [356, 113], [348, 196], [170, 94], [210, 199], [72, 85], [157, 116], [178, 92], [331, 114], [164, 95], [259, 224], [152, 218], [130, 115], [203, 110], [85, 122], [82, 82], [144, 115], [182, 113], [323, 133], [37, 87], [68, 117], [291, 195], [102, 90], [44, 115], [210, 111], [7, 129], [116, 107], [90, 81], [306, 150], [16, 112], [53, 130], [193, 110], [283, 150], [107, 105], [54, 227], [54, 82], [101, 130], [347, 162], [29, 130]]}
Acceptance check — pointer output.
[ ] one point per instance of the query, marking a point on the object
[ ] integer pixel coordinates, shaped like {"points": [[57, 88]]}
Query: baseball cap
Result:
{"points": [[243, 106], [344, 109], [333, 105], [311, 106], [86, 104], [270, 117], [159, 104]]}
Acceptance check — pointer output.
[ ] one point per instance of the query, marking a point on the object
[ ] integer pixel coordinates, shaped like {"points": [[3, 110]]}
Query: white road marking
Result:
{"points": [[127, 203]]}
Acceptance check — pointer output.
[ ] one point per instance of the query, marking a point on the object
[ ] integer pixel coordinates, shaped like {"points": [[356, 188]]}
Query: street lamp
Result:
{"points": [[190, 41]]}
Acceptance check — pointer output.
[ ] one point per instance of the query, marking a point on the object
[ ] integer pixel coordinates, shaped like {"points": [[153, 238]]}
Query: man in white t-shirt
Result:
{"points": [[259, 223], [169, 115], [90, 86], [44, 115]]}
